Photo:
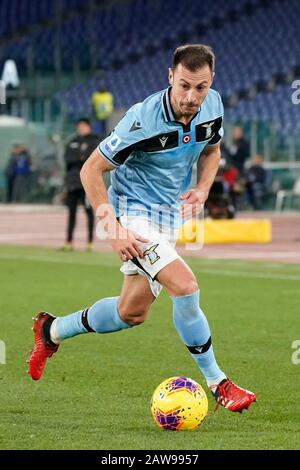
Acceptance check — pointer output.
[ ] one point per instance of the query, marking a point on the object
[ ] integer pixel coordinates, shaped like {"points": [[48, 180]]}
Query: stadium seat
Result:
{"points": [[283, 194]]}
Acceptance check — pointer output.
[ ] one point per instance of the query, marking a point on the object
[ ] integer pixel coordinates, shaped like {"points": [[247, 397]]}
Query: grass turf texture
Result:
{"points": [[95, 392]]}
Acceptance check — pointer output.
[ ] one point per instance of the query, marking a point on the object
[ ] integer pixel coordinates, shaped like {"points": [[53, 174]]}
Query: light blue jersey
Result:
{"points": [[154, 156]]}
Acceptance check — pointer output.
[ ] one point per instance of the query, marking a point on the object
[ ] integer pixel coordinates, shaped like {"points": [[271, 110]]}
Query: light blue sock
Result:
{"points": [[192, 326], [102, 317]]}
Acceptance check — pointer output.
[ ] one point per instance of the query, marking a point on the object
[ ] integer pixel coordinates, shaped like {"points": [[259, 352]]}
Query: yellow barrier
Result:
{"points": [[226, 231]]}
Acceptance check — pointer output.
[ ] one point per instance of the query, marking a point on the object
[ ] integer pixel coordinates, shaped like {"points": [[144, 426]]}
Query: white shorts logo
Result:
{"points": [[151, 254]]}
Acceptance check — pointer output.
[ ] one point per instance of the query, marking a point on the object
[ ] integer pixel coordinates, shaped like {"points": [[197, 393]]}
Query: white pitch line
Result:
{"points": [[218, 272], [46, 259], [35, 236], [279, 277], [249, 255]]}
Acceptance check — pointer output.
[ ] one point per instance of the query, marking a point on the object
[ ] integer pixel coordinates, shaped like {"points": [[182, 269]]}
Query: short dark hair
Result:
{"points": [[84, 120], [194, 57]]}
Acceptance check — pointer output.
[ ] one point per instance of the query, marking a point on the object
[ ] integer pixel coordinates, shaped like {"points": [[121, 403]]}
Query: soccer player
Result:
{"points": [[76, 153], [151, 152]]}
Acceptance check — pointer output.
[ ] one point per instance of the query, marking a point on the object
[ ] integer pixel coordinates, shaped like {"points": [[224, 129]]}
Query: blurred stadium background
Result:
{"points": [[62, 49], [54, 54]]}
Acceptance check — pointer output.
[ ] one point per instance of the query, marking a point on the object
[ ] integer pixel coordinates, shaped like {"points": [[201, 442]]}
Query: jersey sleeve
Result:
{"points": [[117, 147], [218, 126]]}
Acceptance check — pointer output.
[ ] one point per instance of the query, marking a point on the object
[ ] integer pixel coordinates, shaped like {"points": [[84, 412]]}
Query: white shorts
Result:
{"points": [[158, 253]]}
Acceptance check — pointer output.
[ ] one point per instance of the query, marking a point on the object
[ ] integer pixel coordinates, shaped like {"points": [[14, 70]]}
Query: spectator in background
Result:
{"points": [[10, 173], [231, 176], [102, 102], [256, 177], [18, 172], [239, 150], [76, 153]]}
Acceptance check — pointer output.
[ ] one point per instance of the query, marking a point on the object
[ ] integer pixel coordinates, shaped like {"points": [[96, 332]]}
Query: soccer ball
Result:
{"points": [[178, 404]]}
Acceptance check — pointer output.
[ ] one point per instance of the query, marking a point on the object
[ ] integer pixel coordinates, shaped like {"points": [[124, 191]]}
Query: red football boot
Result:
{"points": [[43, 346], [232, 397]]}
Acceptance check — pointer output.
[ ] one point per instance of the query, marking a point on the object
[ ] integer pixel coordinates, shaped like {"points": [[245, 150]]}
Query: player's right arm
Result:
{"points": [[124, 242]]}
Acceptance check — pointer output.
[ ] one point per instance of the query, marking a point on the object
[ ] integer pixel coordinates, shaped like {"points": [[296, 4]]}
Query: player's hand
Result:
{"points": [[194, 200], [126, 244]]}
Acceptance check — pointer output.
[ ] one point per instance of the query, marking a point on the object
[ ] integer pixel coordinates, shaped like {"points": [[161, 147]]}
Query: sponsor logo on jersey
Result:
{"points": [[135, 126], [163, 141]]}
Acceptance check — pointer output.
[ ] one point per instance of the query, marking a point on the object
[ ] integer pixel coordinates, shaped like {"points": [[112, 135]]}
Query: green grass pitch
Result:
{"points": [[96, 391]]}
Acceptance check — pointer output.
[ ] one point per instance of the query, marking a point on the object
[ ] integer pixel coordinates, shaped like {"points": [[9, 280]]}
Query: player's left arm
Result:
{"points": [[207, 168]]}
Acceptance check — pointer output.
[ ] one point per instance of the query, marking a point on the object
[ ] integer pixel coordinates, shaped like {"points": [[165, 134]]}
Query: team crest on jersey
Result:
{"points": [[186, 139], [208, 131], [208, 128], [151, 254]]}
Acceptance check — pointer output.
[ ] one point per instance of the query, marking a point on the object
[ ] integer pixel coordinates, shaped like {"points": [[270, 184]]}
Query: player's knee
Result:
{"points": [[187, 287], [134, 318], [135, 321]]}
